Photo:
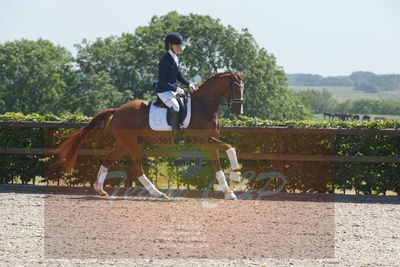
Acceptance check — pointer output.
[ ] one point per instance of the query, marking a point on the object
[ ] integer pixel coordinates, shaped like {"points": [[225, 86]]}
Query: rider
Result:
{"points": [[168, 74]]}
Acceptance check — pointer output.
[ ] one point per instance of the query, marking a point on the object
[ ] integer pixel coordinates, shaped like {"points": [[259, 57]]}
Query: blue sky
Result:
{"points": [[327, 37]]}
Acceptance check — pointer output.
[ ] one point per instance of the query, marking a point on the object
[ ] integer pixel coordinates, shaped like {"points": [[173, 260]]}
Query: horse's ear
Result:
{"points": [[241, 74]]}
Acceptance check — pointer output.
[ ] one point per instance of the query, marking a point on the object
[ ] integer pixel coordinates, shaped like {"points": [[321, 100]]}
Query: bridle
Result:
{"points": [[231, 99]]}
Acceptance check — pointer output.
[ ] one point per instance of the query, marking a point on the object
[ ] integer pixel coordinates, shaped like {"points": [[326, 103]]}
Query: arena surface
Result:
{"points": [[74, 227]]}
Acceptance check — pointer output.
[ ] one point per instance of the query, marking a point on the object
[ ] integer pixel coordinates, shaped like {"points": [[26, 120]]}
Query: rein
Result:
{"points": [[231, 99]]}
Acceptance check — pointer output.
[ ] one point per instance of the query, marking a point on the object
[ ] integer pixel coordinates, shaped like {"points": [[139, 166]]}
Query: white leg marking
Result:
{"points": [[101, 176], [228, 194], [231, 152], [151, 188], [234, 175]]}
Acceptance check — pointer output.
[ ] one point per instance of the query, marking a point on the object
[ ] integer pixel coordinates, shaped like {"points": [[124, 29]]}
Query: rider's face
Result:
{"points": [[176, 48]]}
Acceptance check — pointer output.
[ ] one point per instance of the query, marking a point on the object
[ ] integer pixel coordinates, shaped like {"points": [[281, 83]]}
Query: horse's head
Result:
{"points": [[227, 85], [233, 93]]}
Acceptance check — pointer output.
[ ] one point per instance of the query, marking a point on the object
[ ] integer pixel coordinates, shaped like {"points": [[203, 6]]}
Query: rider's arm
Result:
{"points": [[162, 76], [182, 79]]}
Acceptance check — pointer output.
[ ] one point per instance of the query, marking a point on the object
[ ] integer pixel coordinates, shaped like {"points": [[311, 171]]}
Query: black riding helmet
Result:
{"points": [[174, 38]]}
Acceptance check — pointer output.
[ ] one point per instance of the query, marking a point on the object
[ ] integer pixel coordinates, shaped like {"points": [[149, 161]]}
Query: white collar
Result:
{"points": [[174, 56]]}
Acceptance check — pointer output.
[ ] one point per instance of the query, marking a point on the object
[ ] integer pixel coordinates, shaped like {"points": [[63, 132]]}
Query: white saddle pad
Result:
{"points": [[158, 117]]}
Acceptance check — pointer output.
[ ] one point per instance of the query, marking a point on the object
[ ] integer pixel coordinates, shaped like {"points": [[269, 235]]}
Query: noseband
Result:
{"points": [[231, 99]]}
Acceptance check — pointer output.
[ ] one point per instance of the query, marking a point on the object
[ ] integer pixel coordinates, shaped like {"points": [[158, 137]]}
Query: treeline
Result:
{"points": [[360, 80], [322, 101], [317, 80], [40, 77]]}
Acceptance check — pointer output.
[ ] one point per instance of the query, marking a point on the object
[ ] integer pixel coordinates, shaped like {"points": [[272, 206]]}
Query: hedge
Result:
{"points": [[324, 177]]}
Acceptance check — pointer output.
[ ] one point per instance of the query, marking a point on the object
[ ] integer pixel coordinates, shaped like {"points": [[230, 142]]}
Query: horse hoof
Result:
{"points": [[229, 195], [164, 196], [100, 190], [104, 194]]}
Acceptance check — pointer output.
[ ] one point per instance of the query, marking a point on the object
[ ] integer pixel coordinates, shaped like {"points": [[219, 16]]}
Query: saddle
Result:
{"points": [[183, 109]]}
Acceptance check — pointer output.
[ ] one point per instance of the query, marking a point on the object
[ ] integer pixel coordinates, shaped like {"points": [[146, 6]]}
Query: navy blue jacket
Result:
{"points": [[168, 74]]}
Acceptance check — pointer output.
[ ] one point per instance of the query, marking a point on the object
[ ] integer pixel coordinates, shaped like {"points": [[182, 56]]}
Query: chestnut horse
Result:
{"points": [[129, 125]]}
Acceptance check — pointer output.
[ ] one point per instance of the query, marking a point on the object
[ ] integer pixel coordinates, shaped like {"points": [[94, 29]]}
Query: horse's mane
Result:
{"points": [[216, 75]]}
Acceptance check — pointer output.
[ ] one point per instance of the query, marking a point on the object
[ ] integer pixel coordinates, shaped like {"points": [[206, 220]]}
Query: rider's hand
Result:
{"points": [[180, 91], [192, 87]]}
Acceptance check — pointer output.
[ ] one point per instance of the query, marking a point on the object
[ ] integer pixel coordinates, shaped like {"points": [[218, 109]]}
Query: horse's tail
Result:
{"points": [[68, 150]]}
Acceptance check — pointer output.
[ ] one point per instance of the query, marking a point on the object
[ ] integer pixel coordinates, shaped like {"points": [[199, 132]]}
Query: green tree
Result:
{"points": [[390, 106], [345, 106], [366, 87], [108, 73], [365, 106], [40, 77], [319, 100], [213, 47], [101, 94], [32, 76]]}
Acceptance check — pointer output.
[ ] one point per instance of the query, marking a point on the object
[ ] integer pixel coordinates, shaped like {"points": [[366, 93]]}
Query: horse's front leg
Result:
{"points": [[235, 174], [219, 174], [212, 147]]}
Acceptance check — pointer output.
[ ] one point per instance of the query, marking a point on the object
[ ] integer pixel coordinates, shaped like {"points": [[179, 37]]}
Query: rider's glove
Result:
{"points": [[192, 87], [180, 91]]}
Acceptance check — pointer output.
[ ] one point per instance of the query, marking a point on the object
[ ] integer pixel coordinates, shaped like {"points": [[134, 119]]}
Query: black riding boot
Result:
{"points": [[176, 132]]}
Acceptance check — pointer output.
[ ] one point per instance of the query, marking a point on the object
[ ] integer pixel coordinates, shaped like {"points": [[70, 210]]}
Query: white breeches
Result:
{"points": [[169, 99]]}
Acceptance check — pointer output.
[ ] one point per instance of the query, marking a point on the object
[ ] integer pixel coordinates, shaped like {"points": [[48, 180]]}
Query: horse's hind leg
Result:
{"points": [[108, 161], [134, 148]]}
